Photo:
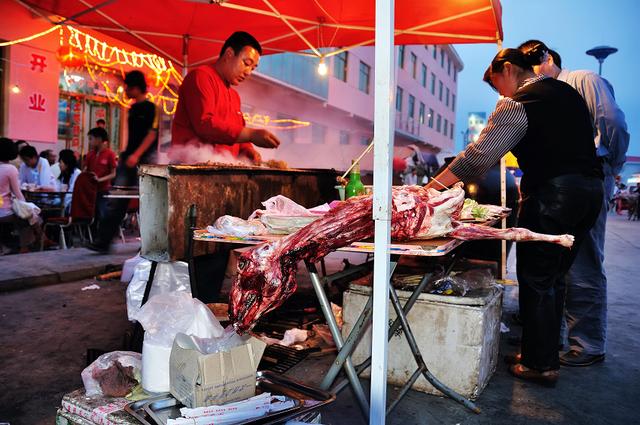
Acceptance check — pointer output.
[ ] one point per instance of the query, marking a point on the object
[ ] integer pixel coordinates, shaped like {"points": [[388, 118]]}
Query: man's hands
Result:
{"points": [[259, 137]]}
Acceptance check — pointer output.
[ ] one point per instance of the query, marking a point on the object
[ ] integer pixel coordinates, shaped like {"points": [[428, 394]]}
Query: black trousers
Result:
{"points": [[116, 209], [566, 204]]}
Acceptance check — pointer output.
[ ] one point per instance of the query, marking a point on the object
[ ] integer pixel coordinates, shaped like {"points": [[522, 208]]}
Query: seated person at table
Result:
{"points": [[19, 145], [69, 172], [101, 161], [9, 189], [35, 170]]}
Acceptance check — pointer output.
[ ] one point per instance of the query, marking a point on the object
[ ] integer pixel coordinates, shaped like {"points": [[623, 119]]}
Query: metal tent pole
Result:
{"points": [[383, 150]]}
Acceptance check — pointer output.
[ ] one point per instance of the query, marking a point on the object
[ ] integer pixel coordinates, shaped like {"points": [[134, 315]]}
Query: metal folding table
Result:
{"points": [[426, 248]]}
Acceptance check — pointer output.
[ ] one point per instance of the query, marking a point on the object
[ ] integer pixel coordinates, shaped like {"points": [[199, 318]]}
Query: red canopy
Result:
{"points": [[161, 26]]}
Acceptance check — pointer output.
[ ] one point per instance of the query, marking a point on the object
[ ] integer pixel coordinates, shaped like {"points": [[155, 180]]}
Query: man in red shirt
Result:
{"points": [[209, 112], [101, 161]]}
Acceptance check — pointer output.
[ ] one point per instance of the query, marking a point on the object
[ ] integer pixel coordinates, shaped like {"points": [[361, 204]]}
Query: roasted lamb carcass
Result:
{"points": [[266, 275]]}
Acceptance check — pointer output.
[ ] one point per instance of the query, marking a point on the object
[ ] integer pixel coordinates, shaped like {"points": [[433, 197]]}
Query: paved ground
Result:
{"points": [[47, 330], [22, 271]]}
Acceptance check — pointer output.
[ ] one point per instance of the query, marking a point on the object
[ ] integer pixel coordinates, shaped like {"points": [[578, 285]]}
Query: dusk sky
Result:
{"points": [[571, 27]]}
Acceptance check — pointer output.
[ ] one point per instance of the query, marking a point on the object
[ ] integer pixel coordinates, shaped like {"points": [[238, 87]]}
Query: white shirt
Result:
{"points": [[40, 175]]}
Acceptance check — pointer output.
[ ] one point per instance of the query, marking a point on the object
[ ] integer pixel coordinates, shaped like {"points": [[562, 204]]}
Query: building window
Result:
{"points": [[453, 102], [365, 75], [451, 132], [433, 84], [399, 99], [442, 58], [344, 137], [426, 47], [435, 52], [430, 118], [401, 57], [447, 97], [439, 123], [440, 86], [455, 74], [412, 105], [365, 140], [318, 133], [340, 66], [423, 75], [421, 112], [449, 67], [414, 66], [446, 126]]}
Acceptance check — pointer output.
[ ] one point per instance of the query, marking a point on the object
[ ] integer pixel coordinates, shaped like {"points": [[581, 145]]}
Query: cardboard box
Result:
{"points": [[199, 380]]}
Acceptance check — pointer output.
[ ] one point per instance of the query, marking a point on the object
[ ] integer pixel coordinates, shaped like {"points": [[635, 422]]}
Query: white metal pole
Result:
{"points": [[384, 114]]}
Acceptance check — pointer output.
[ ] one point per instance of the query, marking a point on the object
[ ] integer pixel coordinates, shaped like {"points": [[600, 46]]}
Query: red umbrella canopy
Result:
{"points": [[161, 26]]}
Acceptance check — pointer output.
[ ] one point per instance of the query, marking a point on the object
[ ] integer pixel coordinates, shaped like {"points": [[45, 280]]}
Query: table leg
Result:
{"points": [[337, 337], [422, 367]]}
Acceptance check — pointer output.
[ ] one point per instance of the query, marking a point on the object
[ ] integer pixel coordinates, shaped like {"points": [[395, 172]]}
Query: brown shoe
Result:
{"points": [[513, 358], [548, 378]]}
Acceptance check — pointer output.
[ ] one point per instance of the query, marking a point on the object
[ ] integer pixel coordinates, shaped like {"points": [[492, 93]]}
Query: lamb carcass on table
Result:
{"points": [[267, 274]]}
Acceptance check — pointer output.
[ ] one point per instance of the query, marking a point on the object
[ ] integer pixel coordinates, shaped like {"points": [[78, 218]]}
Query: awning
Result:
{"points": [[197, 28]]}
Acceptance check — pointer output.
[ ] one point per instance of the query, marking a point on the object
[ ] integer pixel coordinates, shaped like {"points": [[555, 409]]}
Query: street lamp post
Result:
{"points": [[601, 53]]}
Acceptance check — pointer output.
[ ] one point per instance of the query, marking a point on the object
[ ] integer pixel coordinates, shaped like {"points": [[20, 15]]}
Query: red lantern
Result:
{"points": [[69, 58]]}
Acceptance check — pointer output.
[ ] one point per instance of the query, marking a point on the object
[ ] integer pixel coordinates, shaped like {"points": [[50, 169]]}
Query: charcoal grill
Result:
{"points": [[167, 192]]}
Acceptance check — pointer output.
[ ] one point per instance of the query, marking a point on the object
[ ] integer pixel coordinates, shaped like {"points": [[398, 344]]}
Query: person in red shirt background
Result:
{"points": [[101, 161], [208, 111]]}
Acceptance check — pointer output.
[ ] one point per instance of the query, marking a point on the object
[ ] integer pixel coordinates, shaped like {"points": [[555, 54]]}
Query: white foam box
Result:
{"points": [[457, 336]]}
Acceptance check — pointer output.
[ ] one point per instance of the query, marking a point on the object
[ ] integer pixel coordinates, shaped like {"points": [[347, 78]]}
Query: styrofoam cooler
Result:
{"points": [[457, 336]]}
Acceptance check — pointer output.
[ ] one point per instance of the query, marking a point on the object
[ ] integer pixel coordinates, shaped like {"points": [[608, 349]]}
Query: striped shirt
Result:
{"points": [[505, 128]]}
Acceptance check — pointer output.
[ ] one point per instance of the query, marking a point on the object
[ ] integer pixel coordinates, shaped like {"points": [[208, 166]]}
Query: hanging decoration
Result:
{"points": [[99, 59]]}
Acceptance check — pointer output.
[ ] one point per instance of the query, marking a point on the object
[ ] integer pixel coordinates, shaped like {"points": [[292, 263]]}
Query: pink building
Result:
{"points": [[339, 107]]}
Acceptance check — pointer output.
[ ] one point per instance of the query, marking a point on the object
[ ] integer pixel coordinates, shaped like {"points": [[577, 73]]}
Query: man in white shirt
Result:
{"points": [[35, 170]]}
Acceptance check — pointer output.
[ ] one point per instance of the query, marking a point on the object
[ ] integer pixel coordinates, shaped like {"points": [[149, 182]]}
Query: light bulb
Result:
{"points": [[322, 67], [15, 89]]}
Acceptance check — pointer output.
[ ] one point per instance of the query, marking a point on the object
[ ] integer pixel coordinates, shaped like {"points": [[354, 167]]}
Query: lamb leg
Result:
{"points": [[469, 232]]}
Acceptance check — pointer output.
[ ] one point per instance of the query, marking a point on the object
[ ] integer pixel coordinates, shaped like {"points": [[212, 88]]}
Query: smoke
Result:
{"points": [[198, 153]]}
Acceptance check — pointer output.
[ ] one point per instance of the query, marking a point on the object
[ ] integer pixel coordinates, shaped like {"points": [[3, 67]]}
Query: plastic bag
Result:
{"points": [[283, 206], [165, 315], [169, 278], [126, 359], [129, 268], [26, 211], [234, 226], [228, 340], [459, 284]]}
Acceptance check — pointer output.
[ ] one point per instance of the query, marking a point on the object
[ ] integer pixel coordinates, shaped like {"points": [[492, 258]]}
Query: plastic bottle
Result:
{"points": [[355, 186]]}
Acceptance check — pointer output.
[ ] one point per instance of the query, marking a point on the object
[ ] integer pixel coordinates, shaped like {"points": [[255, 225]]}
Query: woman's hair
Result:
{"points": [[67, 156], [8, 150], [513, 56]]}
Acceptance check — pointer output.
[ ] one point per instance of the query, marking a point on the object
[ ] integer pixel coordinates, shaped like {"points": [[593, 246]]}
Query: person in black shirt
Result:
{"points": [[141, 147], [547, 126]]}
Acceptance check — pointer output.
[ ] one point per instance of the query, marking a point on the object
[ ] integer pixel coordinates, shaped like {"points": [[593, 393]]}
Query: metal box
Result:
{"points": [[458, 336], [167, 191]]}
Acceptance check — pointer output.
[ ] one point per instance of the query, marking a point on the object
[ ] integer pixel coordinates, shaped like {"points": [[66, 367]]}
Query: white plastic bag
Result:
{"points": [[162, 317], [281, 205], [234, 226], [26, 211], [129, 267], [125, 358], [169, 278]]}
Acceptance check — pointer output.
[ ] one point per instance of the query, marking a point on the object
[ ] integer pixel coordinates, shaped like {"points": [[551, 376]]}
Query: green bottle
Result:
{"points": [[355, 186]]}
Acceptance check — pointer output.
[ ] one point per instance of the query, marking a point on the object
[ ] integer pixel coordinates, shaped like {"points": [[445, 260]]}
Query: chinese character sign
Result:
{"points": [[33, 107]]}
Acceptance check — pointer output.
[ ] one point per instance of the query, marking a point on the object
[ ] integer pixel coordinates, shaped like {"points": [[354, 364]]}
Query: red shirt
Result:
{"points": [[102, 164], [208, 112]]}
